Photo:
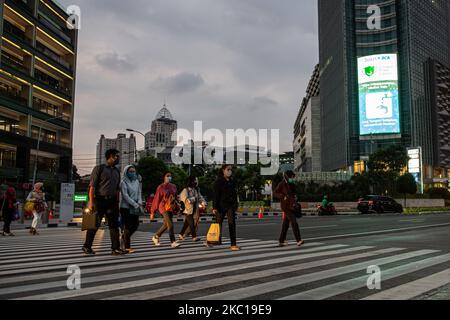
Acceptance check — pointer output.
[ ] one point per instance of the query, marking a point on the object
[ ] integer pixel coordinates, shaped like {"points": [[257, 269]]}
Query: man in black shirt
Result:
{"points": [[104, 196]]}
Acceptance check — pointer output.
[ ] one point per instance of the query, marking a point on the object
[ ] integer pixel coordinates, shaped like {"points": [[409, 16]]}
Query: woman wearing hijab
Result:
{"points": [[37, 196], [130, 205], [192, 200], [9, 209]]}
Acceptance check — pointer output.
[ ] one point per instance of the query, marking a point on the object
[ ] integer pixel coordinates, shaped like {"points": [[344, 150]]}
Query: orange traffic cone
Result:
{"points": [[261, 214], [50, 215]]}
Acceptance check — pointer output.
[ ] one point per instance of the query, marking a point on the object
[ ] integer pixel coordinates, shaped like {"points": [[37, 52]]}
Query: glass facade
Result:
{"points": [[415, 30]]}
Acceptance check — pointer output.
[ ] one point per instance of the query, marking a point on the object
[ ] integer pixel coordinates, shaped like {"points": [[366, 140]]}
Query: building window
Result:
{"points": [[7, 156]]}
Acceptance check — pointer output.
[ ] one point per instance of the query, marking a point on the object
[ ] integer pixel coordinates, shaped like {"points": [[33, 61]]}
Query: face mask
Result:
{"points": [[132, 176], [168, 179], [116, 162], [291, 180]]}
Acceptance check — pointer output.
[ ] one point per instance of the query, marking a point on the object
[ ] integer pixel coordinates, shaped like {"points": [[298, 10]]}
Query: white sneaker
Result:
{"points": [[156, 241], [175, 245]]}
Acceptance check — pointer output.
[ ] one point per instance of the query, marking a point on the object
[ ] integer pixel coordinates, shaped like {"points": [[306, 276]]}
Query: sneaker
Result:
{"points": [[156, 241], [130, 250], [300, 243], [196, 239], [118, 252], [181, 237], [235, 248], [88, 251], [283, 244], [175, 245], [208, 245], [12, 234]]}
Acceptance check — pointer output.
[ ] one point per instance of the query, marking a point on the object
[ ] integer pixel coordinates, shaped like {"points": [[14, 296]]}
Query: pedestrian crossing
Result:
{"points": [[35, 268]]}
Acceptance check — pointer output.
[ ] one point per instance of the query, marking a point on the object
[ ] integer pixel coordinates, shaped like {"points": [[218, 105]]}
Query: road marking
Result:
{"points": [[361, 282], [200, 285], [273, 286], [186, 275], [414, 289]]}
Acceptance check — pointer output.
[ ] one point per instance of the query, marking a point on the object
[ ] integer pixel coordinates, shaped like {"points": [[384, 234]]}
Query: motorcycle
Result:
{"points": [[329, 211]]}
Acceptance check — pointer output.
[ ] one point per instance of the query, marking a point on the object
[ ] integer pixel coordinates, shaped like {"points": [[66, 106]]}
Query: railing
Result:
{"points": [[48, 53], [14, 31], [10, 61], [46, 108], [16, 131], [54, 29], [52, 82], [13, 95]]}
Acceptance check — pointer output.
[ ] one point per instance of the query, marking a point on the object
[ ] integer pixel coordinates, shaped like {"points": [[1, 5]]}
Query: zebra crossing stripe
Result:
{"points": [[361, 282], [80, 259], [131, 264], [207, 270], [206, 284], [273, 286], [414, 289]]}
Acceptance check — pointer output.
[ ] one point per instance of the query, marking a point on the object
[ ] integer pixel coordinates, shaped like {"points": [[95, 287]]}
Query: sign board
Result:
{"points": [[415, 165], [379, 108], [81, 198], [66, 204]]}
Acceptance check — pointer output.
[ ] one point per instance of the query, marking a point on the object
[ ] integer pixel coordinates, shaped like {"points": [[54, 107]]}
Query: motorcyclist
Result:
{"points": [[325, 203]]}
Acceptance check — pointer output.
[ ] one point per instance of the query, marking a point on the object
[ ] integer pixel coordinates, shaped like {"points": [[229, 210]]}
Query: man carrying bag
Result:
{"points": [[104, 199]]}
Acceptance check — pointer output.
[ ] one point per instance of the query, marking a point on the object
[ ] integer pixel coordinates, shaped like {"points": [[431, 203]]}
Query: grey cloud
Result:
{"points": [[112, 61], [179, 84]]}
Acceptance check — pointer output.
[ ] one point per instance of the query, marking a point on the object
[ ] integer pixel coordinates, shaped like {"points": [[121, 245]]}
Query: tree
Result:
{"points": [[151, 170], [75, 175], [385, 166], [406, 184]]}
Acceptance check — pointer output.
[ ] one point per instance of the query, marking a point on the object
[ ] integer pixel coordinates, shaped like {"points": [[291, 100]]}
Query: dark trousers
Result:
{"points": [[110, 209], [231, 216], [167, 225], [290, 219], [130, 224], [189, 226], [7, 219]]}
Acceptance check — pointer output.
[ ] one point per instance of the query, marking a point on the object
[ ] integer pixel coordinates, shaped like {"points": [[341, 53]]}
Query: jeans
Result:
{"points": [[189, 226], [108, 208], [231, 216], [130, 225], [290, 219], [168, 224]]}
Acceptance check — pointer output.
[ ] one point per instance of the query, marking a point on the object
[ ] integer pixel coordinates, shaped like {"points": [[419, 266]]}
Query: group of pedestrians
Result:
{"points": [[111, 196]]}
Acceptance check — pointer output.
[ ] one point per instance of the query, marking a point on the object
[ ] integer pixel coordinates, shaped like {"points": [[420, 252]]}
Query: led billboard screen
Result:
{"points": [[379, 108]]}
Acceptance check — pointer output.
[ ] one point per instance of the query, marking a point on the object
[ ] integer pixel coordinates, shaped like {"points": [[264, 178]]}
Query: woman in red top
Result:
{"points": [[160, 203], [9, 208]]}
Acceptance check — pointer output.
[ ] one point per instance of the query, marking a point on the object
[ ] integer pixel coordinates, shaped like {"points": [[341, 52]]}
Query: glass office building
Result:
{"points": [[392, 59]]}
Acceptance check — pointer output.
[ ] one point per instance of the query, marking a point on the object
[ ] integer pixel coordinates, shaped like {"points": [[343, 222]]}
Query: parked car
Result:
{"points": [[378, 204]]}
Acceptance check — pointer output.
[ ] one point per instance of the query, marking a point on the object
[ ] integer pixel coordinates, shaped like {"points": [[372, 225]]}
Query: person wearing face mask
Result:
{"points": [[285, 191], [225, 203], [131, 204], [37, 197], [104, 194], [192, 200], [165, 195]]}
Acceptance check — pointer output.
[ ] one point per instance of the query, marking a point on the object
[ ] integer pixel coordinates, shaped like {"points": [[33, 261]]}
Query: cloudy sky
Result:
{"points": [[230, 63]]}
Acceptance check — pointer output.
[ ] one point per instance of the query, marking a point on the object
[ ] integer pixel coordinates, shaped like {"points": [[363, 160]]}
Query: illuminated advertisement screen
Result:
{"points": [[379, 109]]}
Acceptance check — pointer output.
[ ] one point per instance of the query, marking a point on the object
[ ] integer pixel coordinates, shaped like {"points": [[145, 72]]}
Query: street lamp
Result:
{"points": [[135, 147], [38, 146]]}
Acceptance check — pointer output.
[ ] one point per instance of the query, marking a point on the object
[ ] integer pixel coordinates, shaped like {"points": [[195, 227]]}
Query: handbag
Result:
{"points": [[213, 236], [90, 221], [29, 206]]}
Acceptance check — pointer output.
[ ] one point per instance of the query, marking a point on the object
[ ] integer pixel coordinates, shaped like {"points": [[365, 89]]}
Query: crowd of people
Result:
{"points": [[119, 198]]}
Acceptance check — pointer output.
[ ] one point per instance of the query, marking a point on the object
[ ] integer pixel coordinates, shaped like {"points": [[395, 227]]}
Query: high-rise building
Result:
{"points": [[37, 86], [373, 82], [307, 129], [160, 135], [126, 147]]}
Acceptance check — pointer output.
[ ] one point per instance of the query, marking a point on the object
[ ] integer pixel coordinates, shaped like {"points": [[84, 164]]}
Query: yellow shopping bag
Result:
{"points": [[213, 236], [29, 206]]}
